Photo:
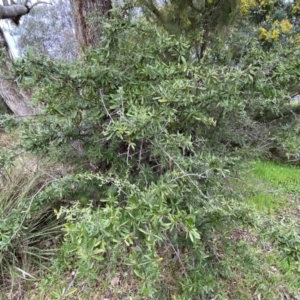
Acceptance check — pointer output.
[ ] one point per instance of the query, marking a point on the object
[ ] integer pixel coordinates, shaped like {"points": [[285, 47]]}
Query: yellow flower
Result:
{"points": [[264, 3], [263, 33], [247, 5], [296, 8], [269, 36], [286, 26], [274, 34]]}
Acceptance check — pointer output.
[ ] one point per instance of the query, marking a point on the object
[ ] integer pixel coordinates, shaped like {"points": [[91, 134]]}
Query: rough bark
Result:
{"points": [[87, 34], [13, 98]]}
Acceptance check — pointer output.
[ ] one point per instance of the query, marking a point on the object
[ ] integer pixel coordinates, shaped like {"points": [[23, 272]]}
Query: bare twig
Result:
{"points": [[72, 282], [106, 110], [183, 172], [176, 253], [140, 155], [128, 155], [37, 3], [200, 176]]}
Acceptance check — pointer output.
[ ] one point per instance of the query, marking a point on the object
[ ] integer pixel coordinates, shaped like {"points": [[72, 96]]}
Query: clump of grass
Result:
{"points": [[265, 202], [29, 231]]}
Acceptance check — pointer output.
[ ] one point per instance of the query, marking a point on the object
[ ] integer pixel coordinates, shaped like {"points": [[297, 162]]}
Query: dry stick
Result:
{"points": [[108, 114], [177, 254], [72, 282], [39, 2], [200, 176], [140, 155], [128, 155]]}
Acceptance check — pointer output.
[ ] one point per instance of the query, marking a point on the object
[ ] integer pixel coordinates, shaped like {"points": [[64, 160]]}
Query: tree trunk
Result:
{"points": [[9, 92], [16, 101], [88, 31], [87, 34]]}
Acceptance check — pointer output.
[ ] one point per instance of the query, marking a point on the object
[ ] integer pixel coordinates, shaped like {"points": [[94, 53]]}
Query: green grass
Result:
{"points": [[266, 202], [271, 187], [272, 191], [285, 178]]}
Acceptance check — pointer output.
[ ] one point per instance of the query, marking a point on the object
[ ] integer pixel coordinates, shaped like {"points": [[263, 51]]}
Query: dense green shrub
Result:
{"points": [[151, 135]]}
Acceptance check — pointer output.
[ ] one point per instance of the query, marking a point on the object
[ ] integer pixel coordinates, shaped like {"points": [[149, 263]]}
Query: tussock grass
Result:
{"points": [[29, 230]]}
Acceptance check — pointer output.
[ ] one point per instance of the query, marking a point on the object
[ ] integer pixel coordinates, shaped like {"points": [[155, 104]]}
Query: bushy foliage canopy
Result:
{"points": [[153, 135]]}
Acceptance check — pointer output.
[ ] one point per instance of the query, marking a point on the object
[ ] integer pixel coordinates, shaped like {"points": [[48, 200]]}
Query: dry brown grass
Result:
{"points": [[6, 139]]}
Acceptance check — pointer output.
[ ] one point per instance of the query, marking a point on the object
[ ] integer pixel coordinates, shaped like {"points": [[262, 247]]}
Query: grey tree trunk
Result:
{"points": [[87, 32], [9, 92]]}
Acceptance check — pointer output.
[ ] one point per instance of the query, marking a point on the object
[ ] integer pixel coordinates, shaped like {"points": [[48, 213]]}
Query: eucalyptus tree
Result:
{"points": [[13, 98], [85, 34], [86, 13], [48, 31]]}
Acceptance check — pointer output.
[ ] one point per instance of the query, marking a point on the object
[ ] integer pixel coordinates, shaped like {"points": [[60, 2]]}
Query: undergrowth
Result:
{"points": [[256, 260]]}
